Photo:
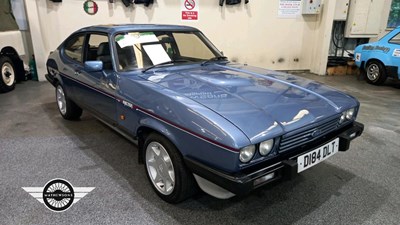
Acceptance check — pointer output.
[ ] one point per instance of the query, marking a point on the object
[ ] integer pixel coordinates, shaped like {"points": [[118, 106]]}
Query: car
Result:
{"points": [[380, 60], [11, 64], [12, 50], [198, 119]]}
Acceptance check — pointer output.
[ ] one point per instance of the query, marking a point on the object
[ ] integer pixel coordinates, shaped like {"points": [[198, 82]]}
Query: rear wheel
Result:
{"points": [[375, 72], [166, 170], [68, 109], [7, 77]]}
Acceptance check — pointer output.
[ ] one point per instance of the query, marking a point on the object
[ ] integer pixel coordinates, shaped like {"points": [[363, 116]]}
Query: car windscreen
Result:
{"points": [[138, 50]]}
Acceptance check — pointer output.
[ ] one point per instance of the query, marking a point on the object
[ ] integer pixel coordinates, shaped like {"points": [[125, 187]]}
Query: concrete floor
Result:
{"points": [[361, 186]]}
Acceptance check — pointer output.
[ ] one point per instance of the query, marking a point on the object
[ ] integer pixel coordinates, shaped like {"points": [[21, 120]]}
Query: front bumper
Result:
{"points": [[283, 166]]}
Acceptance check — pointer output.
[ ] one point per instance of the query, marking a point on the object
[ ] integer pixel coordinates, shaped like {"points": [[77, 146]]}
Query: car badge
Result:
{"points": [[316, 133]]}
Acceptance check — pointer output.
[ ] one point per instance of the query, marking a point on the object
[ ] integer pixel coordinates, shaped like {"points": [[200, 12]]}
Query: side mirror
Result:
{"points": [[93, 66]]}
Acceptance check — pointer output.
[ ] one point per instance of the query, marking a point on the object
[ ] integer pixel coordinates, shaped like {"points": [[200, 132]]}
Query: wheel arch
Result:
{"points": [[52, 71], [8, 50], [372, 59], [149, 126]]}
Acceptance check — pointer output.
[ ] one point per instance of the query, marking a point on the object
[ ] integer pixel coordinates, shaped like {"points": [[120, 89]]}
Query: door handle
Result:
{"points": [[112, 86], [77, 73]]}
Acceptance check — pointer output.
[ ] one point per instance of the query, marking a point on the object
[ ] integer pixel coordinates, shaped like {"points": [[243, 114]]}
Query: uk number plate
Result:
{"points": [[318, 155]]}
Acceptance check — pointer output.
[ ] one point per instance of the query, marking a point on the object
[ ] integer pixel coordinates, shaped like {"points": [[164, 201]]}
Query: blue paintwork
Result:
{"points": [[381, 50], [209, 112]]}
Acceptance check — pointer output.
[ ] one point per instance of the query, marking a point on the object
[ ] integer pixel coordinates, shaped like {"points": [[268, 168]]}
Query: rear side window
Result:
{"points": [[74, 48]]}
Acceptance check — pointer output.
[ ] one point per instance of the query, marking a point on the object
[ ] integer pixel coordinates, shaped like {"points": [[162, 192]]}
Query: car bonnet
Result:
{"points": [[261, 103]]}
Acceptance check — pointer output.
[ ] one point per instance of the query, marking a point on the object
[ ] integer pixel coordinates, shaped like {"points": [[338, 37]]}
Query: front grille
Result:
{"points": [[302, 136]]}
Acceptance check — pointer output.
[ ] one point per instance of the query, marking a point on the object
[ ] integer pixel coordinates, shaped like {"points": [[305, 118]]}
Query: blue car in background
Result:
{"points": [[198, 119], [380, 60]]}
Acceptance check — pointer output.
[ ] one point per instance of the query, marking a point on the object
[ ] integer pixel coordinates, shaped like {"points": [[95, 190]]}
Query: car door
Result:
{"points": [[97, 89], [72, 58]]}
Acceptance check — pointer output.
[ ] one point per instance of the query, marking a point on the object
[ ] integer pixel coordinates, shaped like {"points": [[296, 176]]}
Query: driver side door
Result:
{"points": [[97, 89]]}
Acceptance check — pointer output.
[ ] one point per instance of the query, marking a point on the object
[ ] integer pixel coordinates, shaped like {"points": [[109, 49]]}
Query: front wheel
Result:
{"points": [[375, 72], [7, 76], [166, 170], [68, 109]]}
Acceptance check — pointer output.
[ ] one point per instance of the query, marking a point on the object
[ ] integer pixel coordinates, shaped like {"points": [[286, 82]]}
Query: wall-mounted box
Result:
{"points": [[364, 18], [310, 7], [341, 10]]}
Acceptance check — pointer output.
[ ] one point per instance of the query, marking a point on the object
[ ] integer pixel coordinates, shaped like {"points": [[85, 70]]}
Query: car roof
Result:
{"points": [[116, 28]]}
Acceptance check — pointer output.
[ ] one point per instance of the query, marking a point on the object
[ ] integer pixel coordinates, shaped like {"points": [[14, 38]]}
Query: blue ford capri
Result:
{"points": [[199, 120], [380, 60]]}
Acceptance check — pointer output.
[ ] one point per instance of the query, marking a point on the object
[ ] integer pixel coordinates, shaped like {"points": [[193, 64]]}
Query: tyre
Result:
{"points": [[8, 76], [67, 108], [375, 72], [166, 170]]}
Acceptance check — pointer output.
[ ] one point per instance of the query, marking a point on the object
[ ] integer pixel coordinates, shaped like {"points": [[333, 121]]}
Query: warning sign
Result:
{"points": [[190, 9]]}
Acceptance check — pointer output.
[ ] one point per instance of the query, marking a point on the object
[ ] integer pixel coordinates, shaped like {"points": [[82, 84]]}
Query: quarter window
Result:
{"points": [[395, 39], [74, 48]]}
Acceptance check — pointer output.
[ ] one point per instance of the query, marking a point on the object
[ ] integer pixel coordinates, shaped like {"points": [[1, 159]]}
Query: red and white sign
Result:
{"points": [[190, 9]]}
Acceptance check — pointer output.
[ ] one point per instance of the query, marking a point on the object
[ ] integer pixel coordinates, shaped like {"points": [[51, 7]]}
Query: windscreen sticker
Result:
{"points": [[136, 38], [156, 53], [396, 53]]}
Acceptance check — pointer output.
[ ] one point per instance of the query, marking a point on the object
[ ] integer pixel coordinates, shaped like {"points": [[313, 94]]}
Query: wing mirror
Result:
{"points": [[93, 66]]}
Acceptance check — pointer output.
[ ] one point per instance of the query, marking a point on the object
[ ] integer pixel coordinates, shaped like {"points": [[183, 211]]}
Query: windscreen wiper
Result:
{"points": [[216, 58], [163, 63]]}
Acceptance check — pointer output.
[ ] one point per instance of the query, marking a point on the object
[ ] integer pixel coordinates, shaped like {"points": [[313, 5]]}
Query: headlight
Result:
{"points": [[247, 153], [266, 147], [350, 114], [342, 118], [347, 115]]}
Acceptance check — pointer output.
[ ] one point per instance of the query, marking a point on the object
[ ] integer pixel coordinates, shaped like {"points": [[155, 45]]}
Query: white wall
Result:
{"points": [[250, 33]]}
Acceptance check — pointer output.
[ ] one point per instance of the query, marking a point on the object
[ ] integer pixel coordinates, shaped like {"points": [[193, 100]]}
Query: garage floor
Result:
{"points": [[361, 186]]}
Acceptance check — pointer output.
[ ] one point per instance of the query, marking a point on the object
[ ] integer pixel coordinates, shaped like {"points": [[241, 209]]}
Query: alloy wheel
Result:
{"points": [[160, 168], [61, 102], [373, 72]]}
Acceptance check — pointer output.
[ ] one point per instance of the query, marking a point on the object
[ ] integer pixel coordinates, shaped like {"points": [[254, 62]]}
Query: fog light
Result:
{"points": [[353, 135], [263, 179]]}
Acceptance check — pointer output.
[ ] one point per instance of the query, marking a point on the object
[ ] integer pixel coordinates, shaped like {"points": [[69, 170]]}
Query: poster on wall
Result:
{"points": [[289, 8], [190, 10]]}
